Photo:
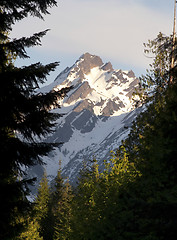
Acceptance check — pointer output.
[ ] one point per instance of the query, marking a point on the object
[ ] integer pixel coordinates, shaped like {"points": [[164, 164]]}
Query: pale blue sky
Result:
{"points": [[113, 29]]}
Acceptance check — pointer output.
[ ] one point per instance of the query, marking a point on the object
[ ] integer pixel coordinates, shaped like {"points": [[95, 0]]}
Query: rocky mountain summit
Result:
{"points": [[97, 114]]}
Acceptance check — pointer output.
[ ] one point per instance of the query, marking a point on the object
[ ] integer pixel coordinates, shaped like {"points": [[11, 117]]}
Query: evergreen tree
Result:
{"points": [[41, 207], [60, 207], [157, 78], [53, 208], [56, 190], [151, 147], [86, 206], [63, 214], [25, 115]]}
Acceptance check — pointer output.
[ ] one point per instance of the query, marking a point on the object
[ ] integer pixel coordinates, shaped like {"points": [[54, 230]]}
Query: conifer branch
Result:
{"points": [[18, 45]]}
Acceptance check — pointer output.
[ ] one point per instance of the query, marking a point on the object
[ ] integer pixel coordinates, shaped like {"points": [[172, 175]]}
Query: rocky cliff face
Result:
{"points": [[98, 112]]}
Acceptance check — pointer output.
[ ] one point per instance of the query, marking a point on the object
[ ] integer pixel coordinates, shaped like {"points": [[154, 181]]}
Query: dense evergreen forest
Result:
{"points": [[133, 198]]}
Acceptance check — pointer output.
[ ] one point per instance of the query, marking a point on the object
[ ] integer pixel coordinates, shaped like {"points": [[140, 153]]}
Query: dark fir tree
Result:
{"points": [[25, 115], [63, 214], [59, 217], [41, 207], [57, 189]]}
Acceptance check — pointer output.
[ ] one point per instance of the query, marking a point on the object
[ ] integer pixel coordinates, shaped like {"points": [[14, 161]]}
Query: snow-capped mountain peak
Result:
{"points": [[98, 111]]}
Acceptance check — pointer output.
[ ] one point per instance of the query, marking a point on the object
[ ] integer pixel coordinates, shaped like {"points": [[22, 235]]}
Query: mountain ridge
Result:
{"points": [[98, 112]]}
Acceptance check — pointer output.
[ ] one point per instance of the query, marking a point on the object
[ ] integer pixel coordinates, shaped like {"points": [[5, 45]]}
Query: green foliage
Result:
{"points": [[25, 115], [41, 204], [42, 199], [63, 214], [53, 210], [97, 203], [157, 78], [61, 207], [31, 230], [151, 145]]}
